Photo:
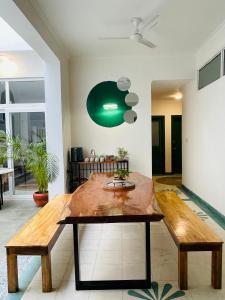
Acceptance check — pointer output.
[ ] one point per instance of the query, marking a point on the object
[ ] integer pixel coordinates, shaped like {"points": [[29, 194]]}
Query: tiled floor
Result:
{"points": [[116, 251], [12, 216]]}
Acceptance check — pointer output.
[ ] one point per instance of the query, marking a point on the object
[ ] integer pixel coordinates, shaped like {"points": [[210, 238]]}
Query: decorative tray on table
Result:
{"points": [[118, 185]]}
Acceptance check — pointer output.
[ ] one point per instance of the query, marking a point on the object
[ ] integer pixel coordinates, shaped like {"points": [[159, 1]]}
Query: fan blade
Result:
{"points": [[114, 38], [146, 43], [150, 24]]}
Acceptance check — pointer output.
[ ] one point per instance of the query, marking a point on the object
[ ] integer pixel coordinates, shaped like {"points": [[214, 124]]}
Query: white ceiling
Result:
{"points": [[165, 89], [183, 25], [10, 40]]}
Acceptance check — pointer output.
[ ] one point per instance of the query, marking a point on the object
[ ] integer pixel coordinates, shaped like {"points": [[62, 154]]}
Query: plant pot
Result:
{"points": [[40, 199]]}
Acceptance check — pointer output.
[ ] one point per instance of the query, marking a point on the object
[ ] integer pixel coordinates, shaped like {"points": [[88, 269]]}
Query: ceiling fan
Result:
{"points": [[139, 28]]}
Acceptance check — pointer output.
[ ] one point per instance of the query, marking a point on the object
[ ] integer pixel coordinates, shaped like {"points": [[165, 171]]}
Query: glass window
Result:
{"points": [[224, 62], [2, 92], [210, 72], [27, 91], [30, 126], [2, 121]]}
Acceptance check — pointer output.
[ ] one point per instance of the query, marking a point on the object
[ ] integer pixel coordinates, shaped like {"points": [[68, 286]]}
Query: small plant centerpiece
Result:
{"points": [[120, 181], [120, 177], [122, 153], [44, 168], [121, 174]]}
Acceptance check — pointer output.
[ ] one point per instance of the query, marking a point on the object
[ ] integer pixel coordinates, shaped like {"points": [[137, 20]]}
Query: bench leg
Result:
{"points": [[12, 270], [46, 273], [216, 275], [183, 270]]}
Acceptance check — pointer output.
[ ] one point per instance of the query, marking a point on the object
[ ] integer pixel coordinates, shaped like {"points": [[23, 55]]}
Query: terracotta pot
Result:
{"points": [[40, 199]]}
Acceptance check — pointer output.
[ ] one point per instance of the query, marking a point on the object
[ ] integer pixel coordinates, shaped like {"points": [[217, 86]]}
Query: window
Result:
{"points": [[2, 121], [22, 113], [2, 92], [223, 62], [26, 91], [210, 72]]}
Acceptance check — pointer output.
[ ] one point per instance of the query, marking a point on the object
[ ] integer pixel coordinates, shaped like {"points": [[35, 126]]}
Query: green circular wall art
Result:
{"points": [[106, 104], [109, 103]]}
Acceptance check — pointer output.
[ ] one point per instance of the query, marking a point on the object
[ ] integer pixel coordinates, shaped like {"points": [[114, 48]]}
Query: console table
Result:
{"points": [[79, 172], [3, 171], [92, 204]]}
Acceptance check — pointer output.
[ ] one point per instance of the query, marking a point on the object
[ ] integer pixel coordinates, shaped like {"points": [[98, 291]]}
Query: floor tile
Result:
{"points": [[107, 272], [67, 291], [107, 244], [134, 271], [109, 257], [103, 295]]}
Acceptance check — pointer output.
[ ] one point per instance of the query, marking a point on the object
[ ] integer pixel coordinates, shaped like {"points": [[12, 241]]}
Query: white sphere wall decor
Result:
{"points": [[130, 116]]}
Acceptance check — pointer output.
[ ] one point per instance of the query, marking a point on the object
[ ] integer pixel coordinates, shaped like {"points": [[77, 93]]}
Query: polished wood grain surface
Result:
{"points": [[41, 229], [190, 233], [90, 203], [186, 226]]}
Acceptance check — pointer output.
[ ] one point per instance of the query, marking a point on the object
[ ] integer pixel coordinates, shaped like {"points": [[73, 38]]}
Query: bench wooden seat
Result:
{"points": [[190, 233], [36, 237]]}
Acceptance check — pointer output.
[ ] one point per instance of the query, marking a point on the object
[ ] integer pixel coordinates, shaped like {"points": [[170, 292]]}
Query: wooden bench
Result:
{"points": [[190, 233], [36, 237]]}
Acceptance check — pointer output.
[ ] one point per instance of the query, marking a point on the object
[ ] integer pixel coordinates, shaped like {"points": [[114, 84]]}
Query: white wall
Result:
{"points": [[203, 132], [167, 108], [27, 64], [86, 73]]}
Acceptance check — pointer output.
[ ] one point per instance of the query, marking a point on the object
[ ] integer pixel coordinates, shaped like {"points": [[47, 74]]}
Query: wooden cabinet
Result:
{"points": [[80, 171]]}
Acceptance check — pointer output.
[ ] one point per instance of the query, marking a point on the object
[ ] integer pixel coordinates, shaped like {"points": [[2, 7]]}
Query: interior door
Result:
{"points": [[176, 138], [158, 145]]}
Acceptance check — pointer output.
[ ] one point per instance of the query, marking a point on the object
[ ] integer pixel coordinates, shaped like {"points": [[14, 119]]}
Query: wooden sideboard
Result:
{"points": [[79, 172]]}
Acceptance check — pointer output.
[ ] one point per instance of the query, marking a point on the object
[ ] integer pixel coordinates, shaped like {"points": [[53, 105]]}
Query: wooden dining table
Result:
{"points": [[91, 203]]}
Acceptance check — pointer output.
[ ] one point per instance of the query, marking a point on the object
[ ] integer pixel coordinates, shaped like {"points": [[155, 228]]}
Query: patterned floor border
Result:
{"points": [[25, 279], [156, 294]]}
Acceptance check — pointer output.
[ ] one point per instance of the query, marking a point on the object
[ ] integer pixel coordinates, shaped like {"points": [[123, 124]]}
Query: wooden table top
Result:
{"points": [[90, 203], [4, 171]]}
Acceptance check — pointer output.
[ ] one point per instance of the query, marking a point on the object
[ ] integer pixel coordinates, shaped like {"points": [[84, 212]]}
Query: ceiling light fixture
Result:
{"points": [[7, 67], [177, 95]]}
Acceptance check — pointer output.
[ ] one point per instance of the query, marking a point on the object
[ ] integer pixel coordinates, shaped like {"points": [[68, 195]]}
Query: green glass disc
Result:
{"points": [[106, 104]]}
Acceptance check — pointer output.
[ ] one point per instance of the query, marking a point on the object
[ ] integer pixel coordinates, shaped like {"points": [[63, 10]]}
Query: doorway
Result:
{"points": [[166, 110], [158, 145], [176, 144]]}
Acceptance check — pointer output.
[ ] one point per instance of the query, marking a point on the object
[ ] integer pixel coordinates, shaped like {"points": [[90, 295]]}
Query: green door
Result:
{"points": [[176, 138], [158, 145]]}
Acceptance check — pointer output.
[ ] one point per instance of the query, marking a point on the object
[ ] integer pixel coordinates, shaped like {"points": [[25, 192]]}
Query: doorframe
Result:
{"points": [[162, 117], [172, 117]]}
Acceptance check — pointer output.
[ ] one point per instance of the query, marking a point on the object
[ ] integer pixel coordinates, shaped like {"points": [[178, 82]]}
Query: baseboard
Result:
{"points": [[210, 210]]}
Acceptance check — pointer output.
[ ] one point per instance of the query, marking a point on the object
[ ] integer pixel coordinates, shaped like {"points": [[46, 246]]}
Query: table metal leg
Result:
{"points": [[76, 254], [112, 284]]}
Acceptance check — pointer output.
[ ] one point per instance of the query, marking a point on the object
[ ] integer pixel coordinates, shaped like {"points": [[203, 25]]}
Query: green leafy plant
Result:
{"points": [[10, 147], [121, 174], [122, 153], [42, 164]]}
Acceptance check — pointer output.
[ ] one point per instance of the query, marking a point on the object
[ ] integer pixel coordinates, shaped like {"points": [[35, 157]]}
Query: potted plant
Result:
{"points": [[44, 168], [121, 174], [122, 153], [10, 147]]}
